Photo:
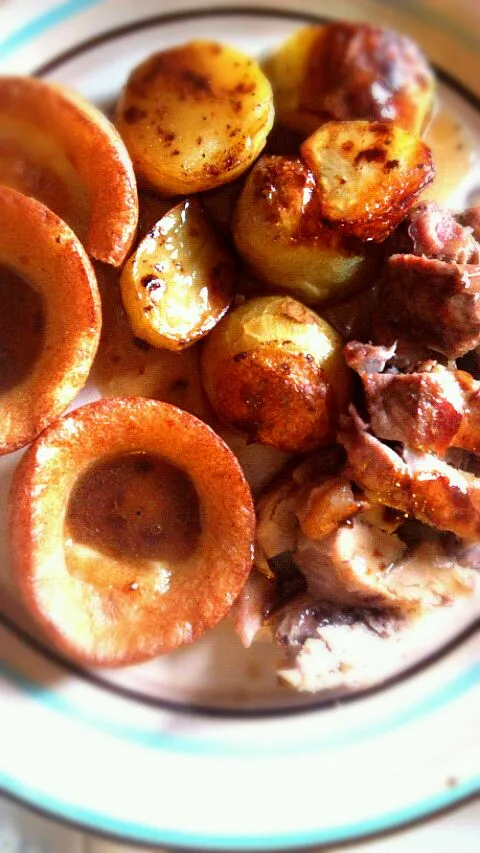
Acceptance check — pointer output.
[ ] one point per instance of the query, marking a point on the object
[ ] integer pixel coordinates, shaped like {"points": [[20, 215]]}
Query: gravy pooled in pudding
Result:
{"points": [[21, 328]]}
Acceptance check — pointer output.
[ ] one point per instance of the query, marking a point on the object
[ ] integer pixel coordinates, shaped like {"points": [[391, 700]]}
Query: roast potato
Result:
{"points": [[139, 555], [180, 280], [50, 318], [368, 174], [350, 71], [194, 116], [278, 230], [274, 369], [63, 151]]}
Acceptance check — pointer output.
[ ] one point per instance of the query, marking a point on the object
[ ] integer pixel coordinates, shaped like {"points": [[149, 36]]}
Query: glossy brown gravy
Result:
{"points": [[21, 328], [131, 509]]}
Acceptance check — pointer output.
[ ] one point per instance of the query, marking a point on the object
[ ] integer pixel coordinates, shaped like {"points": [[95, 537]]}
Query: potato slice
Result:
{"points": [[180, 281], [274, 369], [347, 71], [60, 149], [150, 530], [195, 116], [368, 174], [51, 318], [278, 230]]}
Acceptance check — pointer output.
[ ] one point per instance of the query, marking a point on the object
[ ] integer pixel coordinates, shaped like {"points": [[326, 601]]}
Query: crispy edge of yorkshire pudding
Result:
{"points": [[94, 148], [107, 626], [43, 250]]}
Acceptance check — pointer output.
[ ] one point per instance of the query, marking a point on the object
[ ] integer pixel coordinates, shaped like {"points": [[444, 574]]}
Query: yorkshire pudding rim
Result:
{"points": [[40, 248]]}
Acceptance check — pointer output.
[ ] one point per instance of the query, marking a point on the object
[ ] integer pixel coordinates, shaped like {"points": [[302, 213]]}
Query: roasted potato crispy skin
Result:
{"points": [[368, 175], [60, 149], [274, 369], [180, 280], [195, 116], [347, 71], [131, 615], [41, 249], [279, 231]]}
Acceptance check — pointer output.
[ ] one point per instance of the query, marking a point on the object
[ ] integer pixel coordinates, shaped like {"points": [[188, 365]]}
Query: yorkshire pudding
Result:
{"points": [[149, 536], [63, 151], [50, 318]]}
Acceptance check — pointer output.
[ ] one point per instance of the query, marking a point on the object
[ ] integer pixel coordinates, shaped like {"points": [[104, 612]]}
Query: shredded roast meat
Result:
{"points": [[328, 647], [251, 607], [390, 530], [435, 233], [437, 302], [419, 484], [432, 409], [471, 218]]}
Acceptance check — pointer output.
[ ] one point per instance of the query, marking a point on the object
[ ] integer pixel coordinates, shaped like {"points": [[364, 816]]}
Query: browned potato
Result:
{"points": [[278, 230], [195, 116], [368, 174], [275, 370], [350, 71], [63, 151], [180, 281]]}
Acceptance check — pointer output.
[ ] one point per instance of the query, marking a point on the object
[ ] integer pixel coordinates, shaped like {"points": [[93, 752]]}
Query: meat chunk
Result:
{"points": [[419, 484], [360, 565], [435, 233], [350, 567], [368, 358], [328, 647], [321, 508], [251, 607], [277, 522], [437, 302], [471, 218], [431, 409]]}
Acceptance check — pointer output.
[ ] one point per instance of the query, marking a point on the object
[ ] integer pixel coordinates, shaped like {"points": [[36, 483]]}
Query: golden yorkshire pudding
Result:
{"points": [[50, 318], [194, 116], [63, 151], [150, 530]]}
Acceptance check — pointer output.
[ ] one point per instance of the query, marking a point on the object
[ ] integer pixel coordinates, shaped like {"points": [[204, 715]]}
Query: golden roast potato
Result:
{"points": [[368, 174], [194, 116], [274, 369], [346, 71], [50, 318], [278, 230], [180, 280], [140, 554], [60, 149]]}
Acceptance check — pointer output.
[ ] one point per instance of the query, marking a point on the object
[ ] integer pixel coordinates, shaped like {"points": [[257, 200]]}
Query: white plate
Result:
{"points": [[202, 748]]}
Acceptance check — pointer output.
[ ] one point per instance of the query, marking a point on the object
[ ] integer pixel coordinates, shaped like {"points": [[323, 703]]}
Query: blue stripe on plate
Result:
{"points": [[169, 742], [155, 834], [43, 22]]}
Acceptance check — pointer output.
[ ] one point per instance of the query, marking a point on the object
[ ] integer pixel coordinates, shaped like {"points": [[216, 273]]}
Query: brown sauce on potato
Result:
{"points": [[21, 328], [131, 508]]}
